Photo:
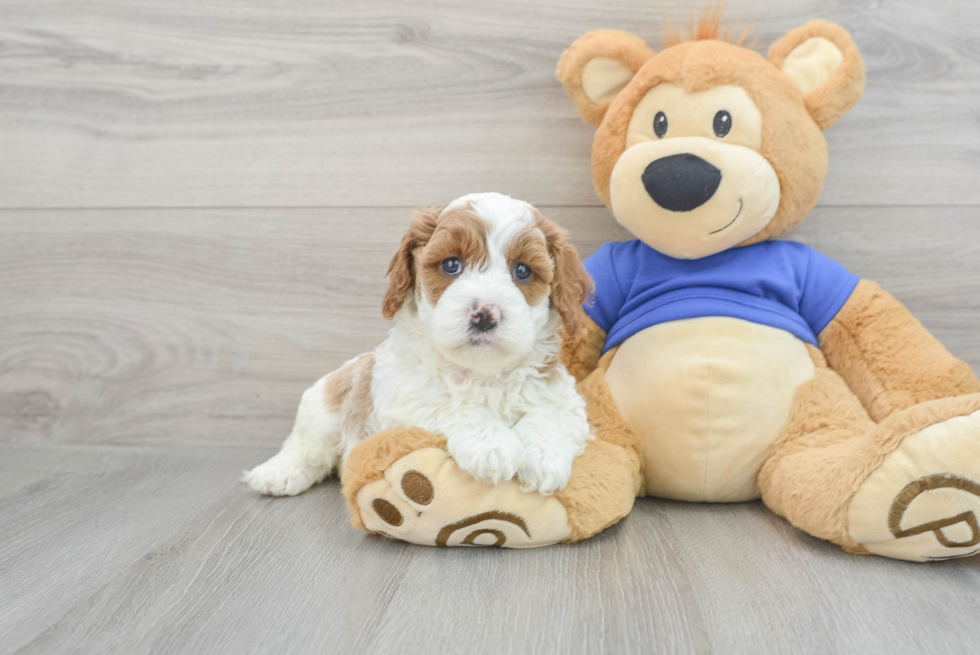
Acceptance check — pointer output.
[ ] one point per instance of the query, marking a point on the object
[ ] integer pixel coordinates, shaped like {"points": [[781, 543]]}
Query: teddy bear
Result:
{"points": [[719, 363]]}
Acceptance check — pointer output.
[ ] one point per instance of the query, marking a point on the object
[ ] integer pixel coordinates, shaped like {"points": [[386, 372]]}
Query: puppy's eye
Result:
{"points": [[723, 124], [522, 272], [451, 266], [660, 124]]}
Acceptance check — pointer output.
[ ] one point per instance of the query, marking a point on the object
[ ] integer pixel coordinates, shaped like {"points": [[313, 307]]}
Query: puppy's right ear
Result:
{"points": [[597, 67], [401, 271]]}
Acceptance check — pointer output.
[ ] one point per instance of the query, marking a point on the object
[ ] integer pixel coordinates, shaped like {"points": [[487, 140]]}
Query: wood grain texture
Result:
{"points": [[232, 103], [205, 326], [156, 550]]}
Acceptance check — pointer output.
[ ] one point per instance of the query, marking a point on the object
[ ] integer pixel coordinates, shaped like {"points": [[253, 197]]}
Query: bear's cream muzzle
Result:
{"points": [[690, 197]]}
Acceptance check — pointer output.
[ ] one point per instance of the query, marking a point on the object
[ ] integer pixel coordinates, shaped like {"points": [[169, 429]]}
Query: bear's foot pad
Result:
{"points": [[425, 498], [923, 502]]}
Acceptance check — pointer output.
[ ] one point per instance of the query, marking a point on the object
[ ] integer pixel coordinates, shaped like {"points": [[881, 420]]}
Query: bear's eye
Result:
{"points": [[660, 124], [451, 266], [723, 124]]}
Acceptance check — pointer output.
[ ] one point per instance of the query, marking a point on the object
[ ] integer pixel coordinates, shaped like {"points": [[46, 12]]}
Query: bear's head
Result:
{"points": [[708, 145]]}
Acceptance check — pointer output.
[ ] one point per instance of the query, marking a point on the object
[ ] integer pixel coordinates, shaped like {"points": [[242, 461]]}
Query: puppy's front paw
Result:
{"points": [[280, 476], [491, 452], [545, 471]]}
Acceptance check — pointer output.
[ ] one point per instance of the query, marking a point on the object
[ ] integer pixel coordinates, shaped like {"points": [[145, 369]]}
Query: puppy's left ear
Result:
{"points": [[401, 271], [825, 65], [571, 283]]}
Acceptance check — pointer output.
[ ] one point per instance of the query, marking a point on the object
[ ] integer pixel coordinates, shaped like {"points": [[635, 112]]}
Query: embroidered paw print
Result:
{"points": [[425, 498], [923, 501], [956, 530]]}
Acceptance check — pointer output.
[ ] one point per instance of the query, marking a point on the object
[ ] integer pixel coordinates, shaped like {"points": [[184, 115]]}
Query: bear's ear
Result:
{"points": [[825, 65], [597, 67]]}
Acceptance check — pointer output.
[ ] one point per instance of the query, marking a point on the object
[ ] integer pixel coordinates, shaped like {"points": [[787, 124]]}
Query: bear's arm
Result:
{"points": [[581, 352], [886, 356]]}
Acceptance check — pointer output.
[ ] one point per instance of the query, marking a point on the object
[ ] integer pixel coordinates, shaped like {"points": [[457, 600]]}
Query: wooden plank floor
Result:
{"points": [[198, 201], [137, 549]]}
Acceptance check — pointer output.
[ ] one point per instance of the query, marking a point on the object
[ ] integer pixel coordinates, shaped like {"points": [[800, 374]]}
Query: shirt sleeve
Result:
{"points": [[826, 287], [609, 297]]}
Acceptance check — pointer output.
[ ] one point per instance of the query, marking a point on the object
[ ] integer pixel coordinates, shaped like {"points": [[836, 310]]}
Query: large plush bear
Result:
{"points": [[720, 364]]}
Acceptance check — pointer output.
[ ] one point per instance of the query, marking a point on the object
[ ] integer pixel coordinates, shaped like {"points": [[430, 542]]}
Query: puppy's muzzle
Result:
{"points": [[680, 183], [484, 319]]}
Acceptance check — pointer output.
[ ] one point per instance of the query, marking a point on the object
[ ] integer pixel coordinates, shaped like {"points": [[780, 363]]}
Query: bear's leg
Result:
{"points": [[402, 483], [888, 358], [908, 487]]}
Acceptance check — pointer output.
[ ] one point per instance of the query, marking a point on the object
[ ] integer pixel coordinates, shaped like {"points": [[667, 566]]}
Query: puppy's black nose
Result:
{"points": [[682, 182], [483, 319]]}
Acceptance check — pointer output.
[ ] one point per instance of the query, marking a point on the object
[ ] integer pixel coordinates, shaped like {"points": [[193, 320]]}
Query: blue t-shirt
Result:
{"points": [[782, 284]]}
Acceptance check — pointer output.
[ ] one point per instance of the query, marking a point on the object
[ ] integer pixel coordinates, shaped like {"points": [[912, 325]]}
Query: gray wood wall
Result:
{"points": [[198, 200]]}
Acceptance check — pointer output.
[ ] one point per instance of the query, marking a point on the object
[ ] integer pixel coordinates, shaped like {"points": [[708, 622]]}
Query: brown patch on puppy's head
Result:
{"points": [[459, 233], [530, 248], [434, 236]]}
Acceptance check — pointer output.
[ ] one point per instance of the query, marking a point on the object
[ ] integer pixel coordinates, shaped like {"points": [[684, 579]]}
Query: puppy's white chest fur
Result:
{"points": [[528, 420], [413, 389]]}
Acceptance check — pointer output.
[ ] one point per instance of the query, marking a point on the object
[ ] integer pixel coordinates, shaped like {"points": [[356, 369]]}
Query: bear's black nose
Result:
{"points": [[682, 182]]}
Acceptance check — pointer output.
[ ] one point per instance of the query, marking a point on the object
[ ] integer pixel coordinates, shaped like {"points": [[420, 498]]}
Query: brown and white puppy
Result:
{"points": [[479, 292]]}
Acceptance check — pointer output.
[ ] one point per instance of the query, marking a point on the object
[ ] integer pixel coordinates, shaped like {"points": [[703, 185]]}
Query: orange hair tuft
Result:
{"points": [[707, 28]]}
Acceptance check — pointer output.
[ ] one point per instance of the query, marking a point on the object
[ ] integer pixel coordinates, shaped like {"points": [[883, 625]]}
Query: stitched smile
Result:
{"points": [[733, 220]]}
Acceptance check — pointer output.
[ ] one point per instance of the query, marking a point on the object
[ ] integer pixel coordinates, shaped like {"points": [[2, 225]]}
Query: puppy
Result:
{"points": [[479, 292]]}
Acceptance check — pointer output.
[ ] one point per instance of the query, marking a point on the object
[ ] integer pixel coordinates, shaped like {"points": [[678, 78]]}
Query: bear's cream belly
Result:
{"points": [[709, 397]]}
